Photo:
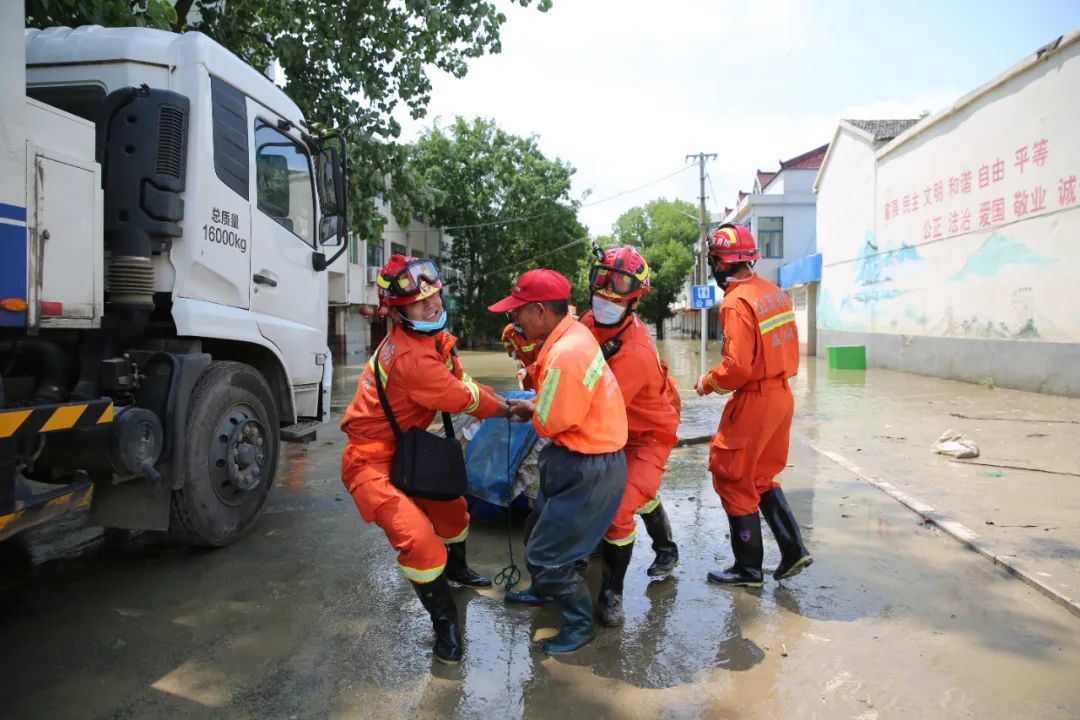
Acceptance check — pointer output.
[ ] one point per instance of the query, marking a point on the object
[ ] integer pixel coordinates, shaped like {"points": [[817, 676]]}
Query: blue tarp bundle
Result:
{"points": [[492, 467]]}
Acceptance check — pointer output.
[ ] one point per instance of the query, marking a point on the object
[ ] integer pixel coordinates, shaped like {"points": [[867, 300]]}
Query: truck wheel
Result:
{"points": [[231, 457]]}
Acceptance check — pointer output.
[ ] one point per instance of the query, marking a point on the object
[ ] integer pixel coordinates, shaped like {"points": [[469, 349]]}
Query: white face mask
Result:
{"points": [[605, 312]]}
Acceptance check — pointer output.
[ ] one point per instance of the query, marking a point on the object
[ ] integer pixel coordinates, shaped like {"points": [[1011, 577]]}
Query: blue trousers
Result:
{"points": [[579, 495]]}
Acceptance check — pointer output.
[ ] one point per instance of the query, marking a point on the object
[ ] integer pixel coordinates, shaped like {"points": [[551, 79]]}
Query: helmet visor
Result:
{"points": [[418, 272], [608, 278]]}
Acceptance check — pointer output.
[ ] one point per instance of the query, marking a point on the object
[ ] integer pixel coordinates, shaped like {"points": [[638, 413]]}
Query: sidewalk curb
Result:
{"points": [[951, 527]]}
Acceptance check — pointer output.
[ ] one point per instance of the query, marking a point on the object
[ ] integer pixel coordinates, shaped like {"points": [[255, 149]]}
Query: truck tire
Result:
{"points": [[230, 462]]}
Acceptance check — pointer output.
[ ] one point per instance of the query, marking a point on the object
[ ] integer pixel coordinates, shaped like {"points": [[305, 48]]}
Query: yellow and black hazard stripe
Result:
{"points": [[51, 418]]}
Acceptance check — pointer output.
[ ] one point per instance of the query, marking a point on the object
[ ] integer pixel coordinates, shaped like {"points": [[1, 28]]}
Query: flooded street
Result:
{"points": [[309, 617]]}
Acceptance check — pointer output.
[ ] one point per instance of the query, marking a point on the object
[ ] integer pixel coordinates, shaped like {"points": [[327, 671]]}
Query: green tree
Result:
{"points": [[481, 177], [665, 236], [348, 64]]}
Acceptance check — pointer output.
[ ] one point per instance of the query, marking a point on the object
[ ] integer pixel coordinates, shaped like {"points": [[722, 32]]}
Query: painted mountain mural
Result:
{"points": [[875, 265], [996, 252]]}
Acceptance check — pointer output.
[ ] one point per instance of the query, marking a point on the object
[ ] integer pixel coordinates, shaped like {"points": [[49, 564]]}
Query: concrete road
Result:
{"points": [[308, 617]]}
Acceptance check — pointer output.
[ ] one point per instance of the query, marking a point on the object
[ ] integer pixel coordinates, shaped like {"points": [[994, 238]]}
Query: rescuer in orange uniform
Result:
{"points": [[618, 279], [422, 375], [761, 351], [524, 351], [583, 470]]}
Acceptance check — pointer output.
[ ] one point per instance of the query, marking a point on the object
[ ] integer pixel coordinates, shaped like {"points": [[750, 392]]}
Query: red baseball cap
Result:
{"points": [[534, 286]]}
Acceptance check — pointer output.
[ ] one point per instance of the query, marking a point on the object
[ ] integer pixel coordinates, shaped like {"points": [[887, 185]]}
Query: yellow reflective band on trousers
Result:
{"points": [[648, 507], [460, 537], [547, 394], [629, 539], [421, 576], [776, 321]]}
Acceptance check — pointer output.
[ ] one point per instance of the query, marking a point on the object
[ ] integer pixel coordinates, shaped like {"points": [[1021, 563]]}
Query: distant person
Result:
{"points": [[524, 351]]}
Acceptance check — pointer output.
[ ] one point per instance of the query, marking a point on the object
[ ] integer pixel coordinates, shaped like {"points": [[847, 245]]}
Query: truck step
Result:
{"points": [[301, 432]]}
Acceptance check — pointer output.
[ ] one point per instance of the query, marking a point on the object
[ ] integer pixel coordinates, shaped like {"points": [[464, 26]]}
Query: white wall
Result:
{"points": [[896, 264], [800, 230]]}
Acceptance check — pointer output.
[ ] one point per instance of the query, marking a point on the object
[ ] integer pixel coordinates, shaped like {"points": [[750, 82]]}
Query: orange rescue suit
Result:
{"points": [[761, 351], [525, 352], [422, 376], [652, 416]]}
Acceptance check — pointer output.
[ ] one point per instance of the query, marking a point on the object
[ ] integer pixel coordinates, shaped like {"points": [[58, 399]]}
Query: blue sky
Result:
{"points": [[623, 89]]}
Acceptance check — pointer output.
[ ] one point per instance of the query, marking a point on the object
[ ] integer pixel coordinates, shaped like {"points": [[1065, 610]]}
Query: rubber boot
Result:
{"points": [[748, 551], [794, 557], [616, 560], [528, 596], [436, 598], [667, 552], [458, 572], [578, 630]]}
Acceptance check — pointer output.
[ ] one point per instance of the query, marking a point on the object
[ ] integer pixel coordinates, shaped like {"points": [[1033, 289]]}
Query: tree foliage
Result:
{"points": [[348, 65], [665, 233], [481, 177]]}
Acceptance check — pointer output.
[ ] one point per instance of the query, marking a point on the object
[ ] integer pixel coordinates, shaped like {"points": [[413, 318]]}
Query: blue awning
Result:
{"points": [[802, 271]]}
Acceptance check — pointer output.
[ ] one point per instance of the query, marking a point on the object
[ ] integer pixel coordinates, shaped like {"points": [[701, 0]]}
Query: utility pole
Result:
{"points": [[703, 250]]}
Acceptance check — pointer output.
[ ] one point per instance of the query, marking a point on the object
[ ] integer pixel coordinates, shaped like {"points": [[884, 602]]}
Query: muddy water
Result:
{"points": [[309, 617]]}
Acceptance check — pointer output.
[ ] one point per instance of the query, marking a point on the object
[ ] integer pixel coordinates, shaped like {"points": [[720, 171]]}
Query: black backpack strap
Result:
{"points": [[377, 369], [448, 425]]}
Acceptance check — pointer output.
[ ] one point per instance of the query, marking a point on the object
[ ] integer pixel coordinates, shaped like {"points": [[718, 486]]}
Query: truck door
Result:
{"points": [[287, 294]]}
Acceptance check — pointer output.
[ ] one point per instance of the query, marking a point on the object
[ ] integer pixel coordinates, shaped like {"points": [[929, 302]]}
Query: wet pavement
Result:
{"points": [[308, 617]]}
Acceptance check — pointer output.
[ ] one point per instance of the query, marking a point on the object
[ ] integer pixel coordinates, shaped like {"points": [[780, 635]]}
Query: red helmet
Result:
{"points": [[619, 274], [405, 280], [732, 244]]}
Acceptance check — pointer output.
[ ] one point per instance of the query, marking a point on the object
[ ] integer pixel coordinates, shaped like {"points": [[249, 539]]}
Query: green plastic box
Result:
{"points": [[847, 357]]}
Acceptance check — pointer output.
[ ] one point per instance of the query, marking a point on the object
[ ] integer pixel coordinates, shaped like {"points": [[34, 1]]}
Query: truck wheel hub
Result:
{"points": [[238, 455]]}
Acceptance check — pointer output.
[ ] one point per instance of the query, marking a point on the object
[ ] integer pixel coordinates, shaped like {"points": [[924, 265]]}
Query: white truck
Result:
{"points": [[165, 215]]}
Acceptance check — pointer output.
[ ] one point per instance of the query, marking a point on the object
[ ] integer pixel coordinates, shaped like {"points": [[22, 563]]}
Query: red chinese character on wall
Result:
{"points": [[1039, 152], [937, 227], [1067, 191], [928, 194], [984, 176], [954, 186], [939, 191], [887, 211], [1020, 203], [954, 222], [1038, 199], [926, 230], [914, 202], [965, 182], [895, 207], [999, 170], [984, 214], [1021, 158], [998, 215], [907, 204], [965, 221]]}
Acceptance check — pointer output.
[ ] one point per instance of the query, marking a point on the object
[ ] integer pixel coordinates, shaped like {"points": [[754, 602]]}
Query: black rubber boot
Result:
{"points": [[794, 557], [667, 552], [458, 571], [609, 609], [748, 551], [436, 598], [527, 596], [578, 630]]}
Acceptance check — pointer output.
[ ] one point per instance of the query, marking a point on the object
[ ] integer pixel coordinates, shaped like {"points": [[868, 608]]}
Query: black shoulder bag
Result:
{"points": [[425, 465]]}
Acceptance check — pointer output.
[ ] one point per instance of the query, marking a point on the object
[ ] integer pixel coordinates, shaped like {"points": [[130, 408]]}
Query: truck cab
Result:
{"points": [[177, 211]]}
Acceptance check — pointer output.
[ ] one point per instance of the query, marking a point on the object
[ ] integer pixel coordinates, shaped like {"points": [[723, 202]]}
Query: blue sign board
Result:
{"points": [[704, 296]]}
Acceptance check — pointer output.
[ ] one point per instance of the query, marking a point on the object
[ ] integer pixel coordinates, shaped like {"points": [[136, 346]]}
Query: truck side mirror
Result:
{"points": [[330, 230]]}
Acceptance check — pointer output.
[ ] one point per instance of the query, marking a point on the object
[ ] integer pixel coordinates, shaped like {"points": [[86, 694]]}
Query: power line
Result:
{"points": [[762, 86], [712, 194], [537, 257], [534, 216]]}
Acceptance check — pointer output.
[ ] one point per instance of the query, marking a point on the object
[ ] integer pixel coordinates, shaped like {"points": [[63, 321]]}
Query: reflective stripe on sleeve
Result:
{"points": [[547, 394], [596, 369]]}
